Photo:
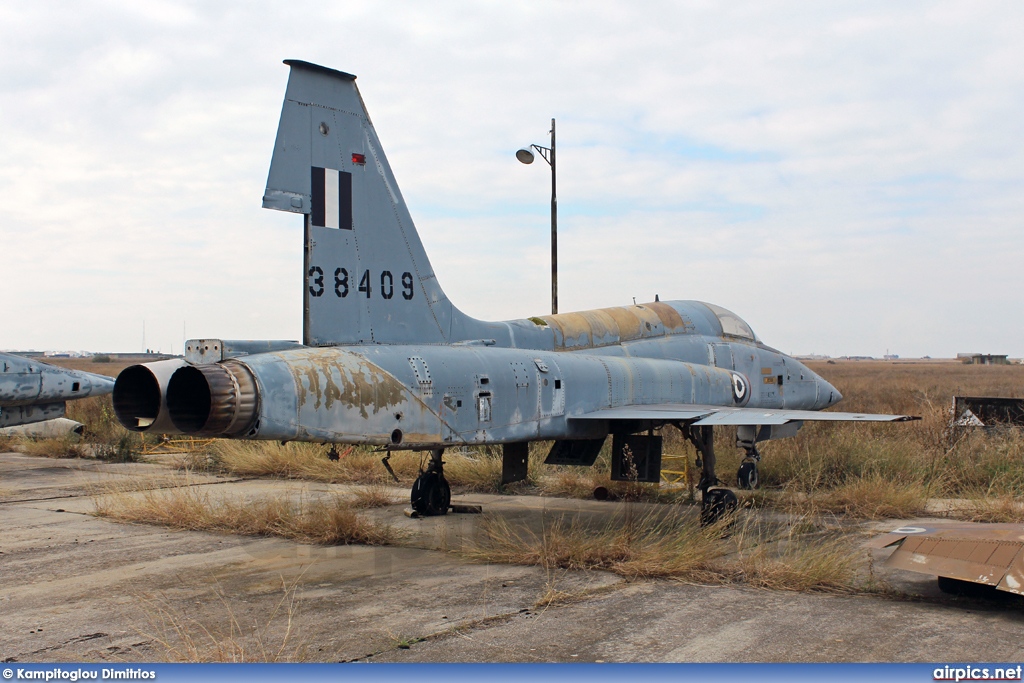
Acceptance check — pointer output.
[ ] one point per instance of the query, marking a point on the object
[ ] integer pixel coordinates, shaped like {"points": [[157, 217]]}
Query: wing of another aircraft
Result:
{"points": [[721, 415], [989, 554]]}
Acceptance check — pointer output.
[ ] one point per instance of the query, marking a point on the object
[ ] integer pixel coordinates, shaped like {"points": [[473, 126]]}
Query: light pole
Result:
{"points": [[548, 153]]}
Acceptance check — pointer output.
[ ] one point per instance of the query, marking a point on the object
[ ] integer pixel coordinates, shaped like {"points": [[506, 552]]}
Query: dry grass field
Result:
{"points": [[110, 367], [888, 470]]}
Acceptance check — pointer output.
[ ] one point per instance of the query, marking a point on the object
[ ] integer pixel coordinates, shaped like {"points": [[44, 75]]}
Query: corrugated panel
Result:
{"points": [[979, 561]]}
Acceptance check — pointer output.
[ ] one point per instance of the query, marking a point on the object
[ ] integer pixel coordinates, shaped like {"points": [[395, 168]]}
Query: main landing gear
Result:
{"points": [[715, 502], [431, 494]]}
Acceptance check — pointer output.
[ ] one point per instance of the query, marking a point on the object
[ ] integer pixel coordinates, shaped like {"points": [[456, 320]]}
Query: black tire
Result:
{"points": [[717, 504], [431, 494], [747, 477]]}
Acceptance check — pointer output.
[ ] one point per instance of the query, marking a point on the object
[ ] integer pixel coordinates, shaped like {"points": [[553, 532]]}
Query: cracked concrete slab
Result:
{"points": [[76, 587]]}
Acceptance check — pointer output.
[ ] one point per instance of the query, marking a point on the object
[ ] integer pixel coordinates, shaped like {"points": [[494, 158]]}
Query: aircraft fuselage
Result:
{"points": [[492, 390]]}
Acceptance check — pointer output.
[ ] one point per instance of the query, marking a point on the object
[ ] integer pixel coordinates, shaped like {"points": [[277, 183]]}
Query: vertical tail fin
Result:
{"points": [[367, 277]]}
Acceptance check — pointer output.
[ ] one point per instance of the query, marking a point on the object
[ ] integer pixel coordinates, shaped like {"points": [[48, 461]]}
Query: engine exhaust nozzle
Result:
{"points": [[218, 399], [140, 397]]}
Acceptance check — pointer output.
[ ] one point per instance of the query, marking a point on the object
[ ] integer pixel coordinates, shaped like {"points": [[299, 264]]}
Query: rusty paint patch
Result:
{"points": [[331, 376], [573, 329], [650, 323], [669, 316], [603, 328], [608, 326], [627, 321]]}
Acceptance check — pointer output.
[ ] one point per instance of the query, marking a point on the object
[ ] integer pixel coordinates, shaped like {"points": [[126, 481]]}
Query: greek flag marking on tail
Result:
{"points": [[331, 192]]}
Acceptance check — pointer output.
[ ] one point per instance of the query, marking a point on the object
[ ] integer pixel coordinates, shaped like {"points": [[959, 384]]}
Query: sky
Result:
{"points": [[845, 176]]}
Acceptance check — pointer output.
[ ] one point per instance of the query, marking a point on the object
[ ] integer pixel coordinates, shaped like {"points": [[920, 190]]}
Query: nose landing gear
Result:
{"points": [[747, 477]]}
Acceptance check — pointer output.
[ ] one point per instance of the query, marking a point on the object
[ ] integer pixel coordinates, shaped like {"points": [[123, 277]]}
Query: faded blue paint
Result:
{"points": [[33, 391]]}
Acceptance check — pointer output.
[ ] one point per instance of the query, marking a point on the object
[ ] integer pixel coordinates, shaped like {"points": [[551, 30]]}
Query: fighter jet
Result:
{"points": [[387, 360], [32, 391]]}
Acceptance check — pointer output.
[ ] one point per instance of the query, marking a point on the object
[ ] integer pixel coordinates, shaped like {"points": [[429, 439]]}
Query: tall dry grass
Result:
{"points": [[889, 470], [651, 545], [296, 460], [104, 437], [1000, 509], [871, 497], [8, 443], [669, 544], [331, 520], [225, 637], [68, 446], [474, 470], [802, 565]]}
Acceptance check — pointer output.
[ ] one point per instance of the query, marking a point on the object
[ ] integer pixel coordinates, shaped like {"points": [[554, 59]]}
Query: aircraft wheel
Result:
{"points": [[431, 494], [746, 476], [717, 504]]}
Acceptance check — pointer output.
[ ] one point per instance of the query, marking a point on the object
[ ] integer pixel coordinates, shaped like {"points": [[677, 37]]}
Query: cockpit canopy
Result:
{"points": [[732, 324]]}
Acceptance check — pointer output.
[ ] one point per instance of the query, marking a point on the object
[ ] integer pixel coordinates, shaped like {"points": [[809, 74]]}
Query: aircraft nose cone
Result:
{"points": [[101, 384], [833, 396], [828, 395]]}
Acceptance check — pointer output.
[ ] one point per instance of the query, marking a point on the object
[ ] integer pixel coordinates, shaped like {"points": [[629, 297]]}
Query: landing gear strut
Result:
{"points": [[746, 476], [715, 502], [431, 494]]}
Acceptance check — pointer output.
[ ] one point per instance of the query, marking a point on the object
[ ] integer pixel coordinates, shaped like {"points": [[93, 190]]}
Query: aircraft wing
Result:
{"points": [[722, 415], [992, 554]]}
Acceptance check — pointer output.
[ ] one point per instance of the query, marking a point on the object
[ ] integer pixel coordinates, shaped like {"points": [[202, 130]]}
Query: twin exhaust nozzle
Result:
{"points": [[174, 397]]}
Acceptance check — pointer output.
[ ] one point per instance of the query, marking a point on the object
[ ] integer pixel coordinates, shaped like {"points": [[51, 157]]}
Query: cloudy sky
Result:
{"points": [[846, 176]]}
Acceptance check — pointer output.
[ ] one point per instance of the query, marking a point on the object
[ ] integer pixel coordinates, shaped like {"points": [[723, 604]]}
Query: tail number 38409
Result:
{"points": [[345, 284]]}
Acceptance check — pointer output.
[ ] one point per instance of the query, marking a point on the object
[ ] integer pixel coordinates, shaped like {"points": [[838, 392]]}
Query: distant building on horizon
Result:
{"points": [[983, 358]]}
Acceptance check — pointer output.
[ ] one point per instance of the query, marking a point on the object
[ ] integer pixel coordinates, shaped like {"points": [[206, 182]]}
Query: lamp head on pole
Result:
{"points": [[525, 156]]}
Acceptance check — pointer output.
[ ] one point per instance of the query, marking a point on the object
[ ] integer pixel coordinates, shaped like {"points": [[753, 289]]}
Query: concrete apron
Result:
{"points": [[76, 587]]}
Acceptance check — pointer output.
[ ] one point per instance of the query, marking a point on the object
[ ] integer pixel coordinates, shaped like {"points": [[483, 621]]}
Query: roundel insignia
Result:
{"points": [[739, 387]]}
